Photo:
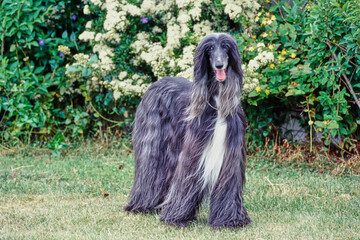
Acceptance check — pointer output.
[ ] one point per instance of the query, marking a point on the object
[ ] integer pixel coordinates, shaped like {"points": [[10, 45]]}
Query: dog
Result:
{"points": [[189, 141]]}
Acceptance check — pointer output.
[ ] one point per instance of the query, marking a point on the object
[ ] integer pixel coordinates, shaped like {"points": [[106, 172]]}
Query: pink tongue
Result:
{"points": [[220, 74]]}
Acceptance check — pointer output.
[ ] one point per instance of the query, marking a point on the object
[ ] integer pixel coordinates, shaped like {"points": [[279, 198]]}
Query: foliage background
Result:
{"points": [[77, 69]]}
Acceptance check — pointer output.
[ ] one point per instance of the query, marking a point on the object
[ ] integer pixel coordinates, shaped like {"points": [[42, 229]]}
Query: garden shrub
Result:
{"points": [[136, 43], [33, 36], [316, 70], [75, 79]]}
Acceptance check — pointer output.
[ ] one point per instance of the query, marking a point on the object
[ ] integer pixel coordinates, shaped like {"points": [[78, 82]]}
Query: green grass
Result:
{"points": [[63, 198]]}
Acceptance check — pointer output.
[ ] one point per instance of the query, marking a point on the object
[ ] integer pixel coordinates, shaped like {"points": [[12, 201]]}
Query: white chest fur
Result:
{"points": [[212, 158]]}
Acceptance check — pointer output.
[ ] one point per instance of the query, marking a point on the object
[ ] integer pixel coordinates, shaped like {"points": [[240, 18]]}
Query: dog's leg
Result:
{"points": [[151, 164], [226, 202], [184, 198]]}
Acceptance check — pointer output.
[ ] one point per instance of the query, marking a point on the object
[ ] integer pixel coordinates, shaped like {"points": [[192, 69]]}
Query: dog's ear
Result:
{"points": [[201, 63], [235, 59], [199, 95]]}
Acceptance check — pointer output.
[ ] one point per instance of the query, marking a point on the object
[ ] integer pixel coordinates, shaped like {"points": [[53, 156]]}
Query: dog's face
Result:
{"points": [[218, 52], [217, 57]]}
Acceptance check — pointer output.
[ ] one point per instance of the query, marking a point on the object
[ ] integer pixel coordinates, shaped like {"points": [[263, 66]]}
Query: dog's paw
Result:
{"points": [[133, 209], [178, 223], [232, 223]]}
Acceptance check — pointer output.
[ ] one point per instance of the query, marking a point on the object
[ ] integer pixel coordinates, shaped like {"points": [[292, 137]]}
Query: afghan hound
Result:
{"points": [[189, 141]]}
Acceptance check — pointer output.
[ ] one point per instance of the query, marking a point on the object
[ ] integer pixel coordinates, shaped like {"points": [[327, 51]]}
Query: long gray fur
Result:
{"points": [[174, 122]]}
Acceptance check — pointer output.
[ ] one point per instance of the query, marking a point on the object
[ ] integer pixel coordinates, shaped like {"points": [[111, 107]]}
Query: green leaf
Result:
{"points": [[94, 58], [253, 94], [39, 70], [65, 35], [86, 72], [73, 37], [74, 68], [53, 64]]}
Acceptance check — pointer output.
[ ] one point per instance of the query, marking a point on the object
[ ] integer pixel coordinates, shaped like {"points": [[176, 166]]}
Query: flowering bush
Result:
{"points": [[160, 36], [60, 81], [314, 70]]}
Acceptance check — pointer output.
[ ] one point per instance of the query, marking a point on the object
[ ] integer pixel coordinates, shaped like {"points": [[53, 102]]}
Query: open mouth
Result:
{"points": [[220, 74]]}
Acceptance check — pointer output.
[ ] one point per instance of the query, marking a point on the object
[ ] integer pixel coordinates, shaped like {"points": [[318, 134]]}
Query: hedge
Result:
{"points": [[77, 69]]}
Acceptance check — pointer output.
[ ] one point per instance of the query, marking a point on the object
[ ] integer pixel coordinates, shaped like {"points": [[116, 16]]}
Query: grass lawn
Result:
{"points": [[64, 198]]}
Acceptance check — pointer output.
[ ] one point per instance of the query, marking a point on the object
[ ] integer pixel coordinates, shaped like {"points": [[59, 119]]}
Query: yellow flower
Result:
{"points": [[281, 58], [272, 65], [258, 89], [293, 55], [267, 92]]}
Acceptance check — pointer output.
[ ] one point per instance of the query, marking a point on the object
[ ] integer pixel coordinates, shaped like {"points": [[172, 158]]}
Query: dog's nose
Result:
{"points": [[219, 65]]}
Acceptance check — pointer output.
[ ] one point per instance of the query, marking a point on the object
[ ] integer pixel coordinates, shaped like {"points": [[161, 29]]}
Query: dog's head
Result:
{"points": [[217, 71], [216, 55]]}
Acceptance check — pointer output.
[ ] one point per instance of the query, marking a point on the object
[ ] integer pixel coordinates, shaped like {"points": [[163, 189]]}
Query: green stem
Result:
{"points": [[109, 120], [310, 123]]}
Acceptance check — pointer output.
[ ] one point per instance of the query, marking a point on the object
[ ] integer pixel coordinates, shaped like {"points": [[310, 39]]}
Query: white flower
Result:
{"points": [[195, 13], [260, 45], [253, 65], [186, 60], [250, 84], [132, 10], [88, 24], [235, 8], [203, 28], [188, 73], [173, 36], [82, 58], [122, 75], [148, 6], [156, 29], [117, 95], [135, 76], [183, 3], [183, 17], [87, 36], [97, 2], [86, 10]]}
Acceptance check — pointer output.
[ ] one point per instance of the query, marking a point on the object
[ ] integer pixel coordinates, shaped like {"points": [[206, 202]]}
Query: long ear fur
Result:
{"points": [[199, 95], [235, 60]]}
